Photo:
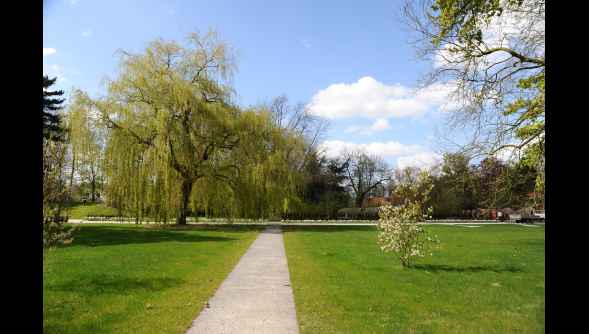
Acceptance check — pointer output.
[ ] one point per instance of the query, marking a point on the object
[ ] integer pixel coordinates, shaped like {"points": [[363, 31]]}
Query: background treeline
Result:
{"points": [[167, 140]]}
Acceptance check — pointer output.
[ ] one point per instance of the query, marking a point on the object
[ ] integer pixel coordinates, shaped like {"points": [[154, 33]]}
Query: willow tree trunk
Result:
{"points": [[185, 191], [93, 190]]}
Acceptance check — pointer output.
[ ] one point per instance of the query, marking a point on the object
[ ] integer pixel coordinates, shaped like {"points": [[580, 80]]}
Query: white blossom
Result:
{"points": [[399, 229]]}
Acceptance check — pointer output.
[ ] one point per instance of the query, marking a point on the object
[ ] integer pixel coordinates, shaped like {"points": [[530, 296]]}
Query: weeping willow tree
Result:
{"points": [[267, 183], [86, 140], [174, 136]]}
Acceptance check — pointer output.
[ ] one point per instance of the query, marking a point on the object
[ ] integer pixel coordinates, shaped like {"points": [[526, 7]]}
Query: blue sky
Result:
{"points": [[346, 58]]}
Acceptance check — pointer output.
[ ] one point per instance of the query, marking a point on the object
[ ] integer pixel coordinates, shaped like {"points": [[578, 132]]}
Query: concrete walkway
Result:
{"points": [[257, 296]]}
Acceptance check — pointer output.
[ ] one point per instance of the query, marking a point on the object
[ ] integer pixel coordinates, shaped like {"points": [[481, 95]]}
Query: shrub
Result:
{"points": [[367, 213], [399, 226]]}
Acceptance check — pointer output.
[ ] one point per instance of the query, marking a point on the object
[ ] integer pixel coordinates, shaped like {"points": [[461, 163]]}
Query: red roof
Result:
{"points": [[379, 200]]}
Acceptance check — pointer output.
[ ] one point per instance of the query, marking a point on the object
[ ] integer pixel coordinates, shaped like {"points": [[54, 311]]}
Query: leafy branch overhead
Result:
{"points": [[489, 59]]}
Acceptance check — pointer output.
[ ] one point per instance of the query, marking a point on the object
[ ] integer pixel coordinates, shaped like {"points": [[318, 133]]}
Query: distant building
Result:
{"points": [[378, 201]]}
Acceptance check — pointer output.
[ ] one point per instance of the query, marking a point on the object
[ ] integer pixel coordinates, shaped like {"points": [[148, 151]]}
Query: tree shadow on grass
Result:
{"points": [[96, 236], [103, 284], [467, 269]]}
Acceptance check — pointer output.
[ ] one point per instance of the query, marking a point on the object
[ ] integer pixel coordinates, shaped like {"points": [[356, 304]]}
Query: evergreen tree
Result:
{"points": [[51, 120], [325, 191]]}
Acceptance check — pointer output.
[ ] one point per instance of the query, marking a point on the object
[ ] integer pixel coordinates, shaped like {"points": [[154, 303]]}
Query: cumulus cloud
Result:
{"points": [[386, 150], [512, 153], [48, 51], [352, 129], [56, 73], [373, 100], [86, 33], [421, 160], [378, 126]]}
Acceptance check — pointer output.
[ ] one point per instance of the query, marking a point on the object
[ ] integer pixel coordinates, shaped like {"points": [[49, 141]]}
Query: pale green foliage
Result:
{"points": [[399, 226], [87, 147], [531, 115], [464, 19], [55, 196], [174, 136], [480, 55], [55, 235]]}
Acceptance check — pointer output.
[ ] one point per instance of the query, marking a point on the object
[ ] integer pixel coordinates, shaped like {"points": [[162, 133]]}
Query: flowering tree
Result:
{"points": [[399, 226]]}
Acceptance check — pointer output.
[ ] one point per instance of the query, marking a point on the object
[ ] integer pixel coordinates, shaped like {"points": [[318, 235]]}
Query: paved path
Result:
{"points": [[257, 296]]}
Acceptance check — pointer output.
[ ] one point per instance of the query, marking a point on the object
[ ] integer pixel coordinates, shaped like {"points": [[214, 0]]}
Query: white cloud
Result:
{"points": [[373, 100], [378, 126], [48, 51], [55, 69], [71, 2], [386, 150], [512, 153], [306, 43], [169, 11], [352, 129], [86, 33], [421, 160]]}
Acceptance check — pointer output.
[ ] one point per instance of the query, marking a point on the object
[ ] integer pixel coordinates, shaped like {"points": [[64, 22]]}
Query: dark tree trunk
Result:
{"points": [[93, 191], [186, 189]]}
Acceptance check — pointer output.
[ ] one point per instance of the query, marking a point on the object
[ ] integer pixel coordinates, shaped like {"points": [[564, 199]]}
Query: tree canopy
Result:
{"points": [[365, 173], [51, 119], [489, 58], [175, 135]]}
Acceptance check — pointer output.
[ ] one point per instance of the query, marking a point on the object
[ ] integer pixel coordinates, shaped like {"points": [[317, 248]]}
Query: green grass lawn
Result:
{"points": [[79, 211], [344, 283], [105, 280]]}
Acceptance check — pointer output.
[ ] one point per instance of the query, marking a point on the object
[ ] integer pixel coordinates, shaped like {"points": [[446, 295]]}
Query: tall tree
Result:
{"points": [[55, 196], [172, 124], [457, 175], [489, 58], [488, 174], [298, 120], [51, 119], [326, 191], [87, 147], [365, 173]]}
